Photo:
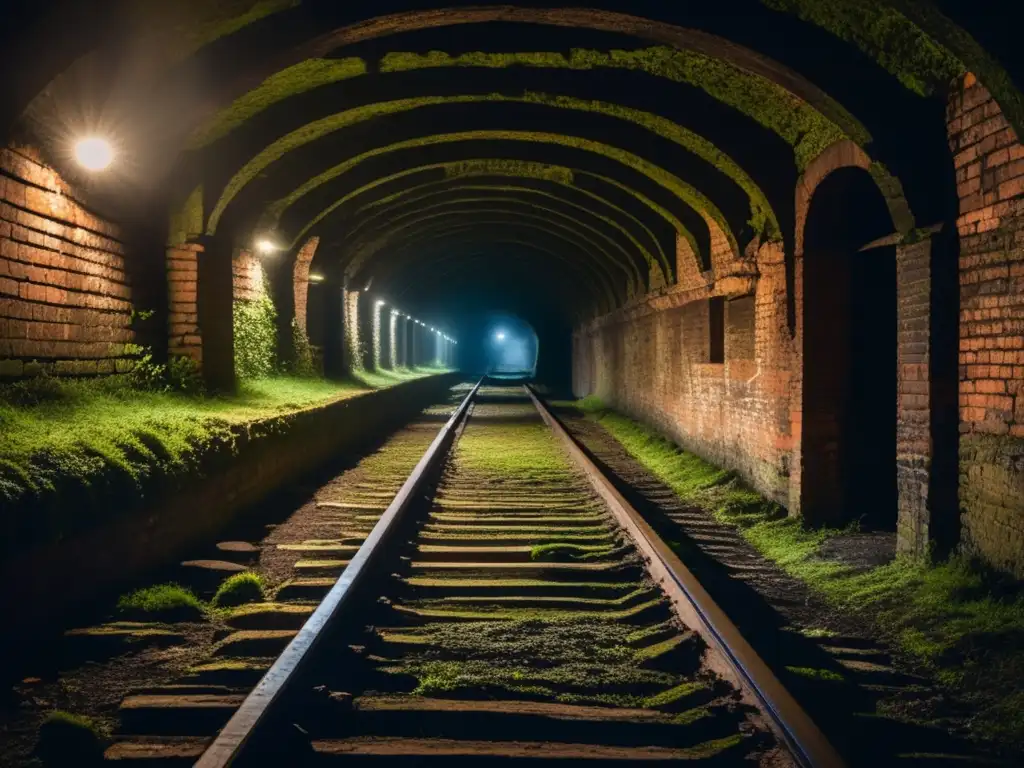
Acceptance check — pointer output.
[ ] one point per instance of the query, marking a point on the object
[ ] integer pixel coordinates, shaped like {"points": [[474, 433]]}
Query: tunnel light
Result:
{"points": [[380, 302], [265, 246], [94, 153], [315, 278], [499, 336]]}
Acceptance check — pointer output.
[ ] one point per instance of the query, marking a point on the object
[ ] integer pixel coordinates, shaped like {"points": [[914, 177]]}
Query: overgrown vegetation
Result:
{"points": [[255, 333], [82, 449], [303, 363], [169, 602], [239, 589], [958, 620]]}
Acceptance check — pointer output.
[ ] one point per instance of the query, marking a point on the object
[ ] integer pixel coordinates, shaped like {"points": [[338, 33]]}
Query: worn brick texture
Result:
{"points": [[989, 160], [650, 360], [300, 280], [247, 276], [65, 300], [184, 336]]}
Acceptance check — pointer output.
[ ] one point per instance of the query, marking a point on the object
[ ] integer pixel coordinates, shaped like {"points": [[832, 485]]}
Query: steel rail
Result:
{"points": [[229, 744], [696, 608]]}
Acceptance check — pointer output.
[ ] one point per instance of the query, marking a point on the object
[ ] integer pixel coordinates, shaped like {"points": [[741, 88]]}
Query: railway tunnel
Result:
{"points": [[760, 257]]}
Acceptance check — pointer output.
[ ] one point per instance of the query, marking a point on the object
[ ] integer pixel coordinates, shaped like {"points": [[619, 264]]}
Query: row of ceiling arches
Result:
{"points": [[578, 143]]}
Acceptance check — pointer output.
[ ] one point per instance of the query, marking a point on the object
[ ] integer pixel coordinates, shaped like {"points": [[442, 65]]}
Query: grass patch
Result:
{"points": [[826, 675], [957, 620], [79, 450], [69, 739], [170, 602], [566, 551], [239, 589]]}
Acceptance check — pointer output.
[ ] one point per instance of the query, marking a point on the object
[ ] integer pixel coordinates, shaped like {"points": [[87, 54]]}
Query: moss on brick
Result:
{"points": [[660, 260], [802, 126], [319, 128], [188, 220], [905, 50], [299, 78]]}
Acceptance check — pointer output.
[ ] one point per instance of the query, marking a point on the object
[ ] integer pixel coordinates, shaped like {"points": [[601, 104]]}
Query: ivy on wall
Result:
{"points": [[255, 337], [303, 364]]}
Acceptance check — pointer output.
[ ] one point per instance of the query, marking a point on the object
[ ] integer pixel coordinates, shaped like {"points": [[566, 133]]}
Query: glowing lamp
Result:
{"points": [[94, 154]]}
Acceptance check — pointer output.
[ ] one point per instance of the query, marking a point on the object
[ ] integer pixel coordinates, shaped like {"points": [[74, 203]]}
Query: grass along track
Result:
{"points": [[518, 622], [522, 625], [186, 663]]}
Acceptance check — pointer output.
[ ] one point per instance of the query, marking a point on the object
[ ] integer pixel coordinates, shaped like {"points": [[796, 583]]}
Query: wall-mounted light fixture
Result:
{"points": [[315, 277]]}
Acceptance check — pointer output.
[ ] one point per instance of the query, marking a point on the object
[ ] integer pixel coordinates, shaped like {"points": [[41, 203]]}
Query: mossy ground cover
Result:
{"points": [[161, 601], [956, 620], [84, 440]]}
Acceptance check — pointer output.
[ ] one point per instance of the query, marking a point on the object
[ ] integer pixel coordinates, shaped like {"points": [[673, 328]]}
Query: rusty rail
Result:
{"points": [[695, 607], [236, 734]]}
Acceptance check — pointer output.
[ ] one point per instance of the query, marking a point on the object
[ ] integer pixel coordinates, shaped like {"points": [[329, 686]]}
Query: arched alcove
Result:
{"points": [[850, 355]]}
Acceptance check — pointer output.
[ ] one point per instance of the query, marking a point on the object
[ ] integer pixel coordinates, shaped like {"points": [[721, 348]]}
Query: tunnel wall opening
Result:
{"points": [[850, 370]]}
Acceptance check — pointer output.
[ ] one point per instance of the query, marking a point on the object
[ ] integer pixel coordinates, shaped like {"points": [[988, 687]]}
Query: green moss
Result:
{"points": [[255, 332], [825, 675], [563, 550], [762, 217], [68, 446], [299, 78], [210, 20], [319, 128], [417, 194], [957, 619], [275, 210], [167, 601], [239, 589], [188, 221], [921, 63], [522, 169], [575, 231], [805, 128], [677, 186]]}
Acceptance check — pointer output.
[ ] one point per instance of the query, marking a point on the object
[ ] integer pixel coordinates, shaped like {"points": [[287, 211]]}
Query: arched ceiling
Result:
{"points": [[557, 153]]}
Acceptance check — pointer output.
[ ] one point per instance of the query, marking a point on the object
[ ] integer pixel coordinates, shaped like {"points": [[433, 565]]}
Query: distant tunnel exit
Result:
{"points": [[503, 345]]}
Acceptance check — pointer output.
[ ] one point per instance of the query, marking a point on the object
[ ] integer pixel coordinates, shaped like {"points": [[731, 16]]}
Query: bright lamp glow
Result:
{"points": [[499, 336], [315, 278], [380, 302], [265, 246], [94, 153]]}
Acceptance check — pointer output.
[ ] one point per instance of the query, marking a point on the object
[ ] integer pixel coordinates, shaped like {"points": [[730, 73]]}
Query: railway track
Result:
{"points": [[506, 604]]}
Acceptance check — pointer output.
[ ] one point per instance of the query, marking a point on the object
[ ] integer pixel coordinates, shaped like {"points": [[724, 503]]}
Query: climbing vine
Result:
{"points": [[303, 363], [255, 337]]}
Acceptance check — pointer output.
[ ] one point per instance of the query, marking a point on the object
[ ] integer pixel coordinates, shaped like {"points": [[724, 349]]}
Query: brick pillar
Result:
{"points": [[392, 340], [183, 336], [378, 352], [353, 345], [335, 356], [913, 423], [215, 308]]}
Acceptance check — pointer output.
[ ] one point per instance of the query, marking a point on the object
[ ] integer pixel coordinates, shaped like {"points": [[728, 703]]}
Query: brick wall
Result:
{"points": [[184, 337], [650, 360], [65, 301], [989, 159], [247, 276], [300, 279]]}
